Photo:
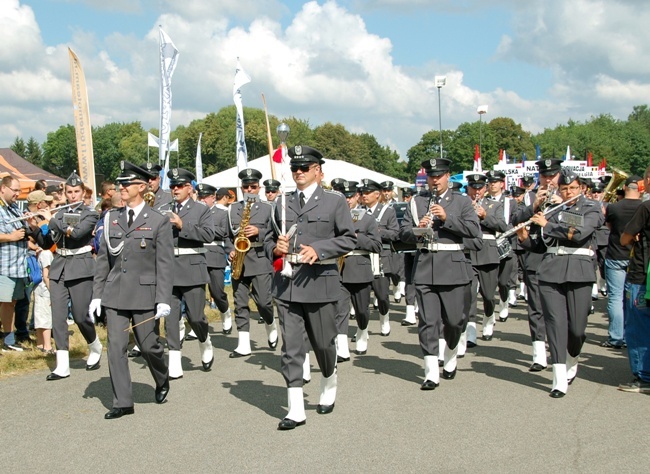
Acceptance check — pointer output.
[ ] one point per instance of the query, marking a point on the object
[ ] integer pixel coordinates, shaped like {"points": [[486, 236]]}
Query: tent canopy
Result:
{"points": [[332, 169], [24, 171]]}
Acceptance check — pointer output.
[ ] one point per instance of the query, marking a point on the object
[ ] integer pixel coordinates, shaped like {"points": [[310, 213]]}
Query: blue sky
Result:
{"points": [[368, 64]]}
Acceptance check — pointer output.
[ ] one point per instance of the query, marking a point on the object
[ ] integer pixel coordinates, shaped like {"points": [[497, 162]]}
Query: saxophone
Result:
{"points": [[242, 243]]}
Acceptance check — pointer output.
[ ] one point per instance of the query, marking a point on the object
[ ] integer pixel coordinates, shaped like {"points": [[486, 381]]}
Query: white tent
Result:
{"points": [[332, 169]]}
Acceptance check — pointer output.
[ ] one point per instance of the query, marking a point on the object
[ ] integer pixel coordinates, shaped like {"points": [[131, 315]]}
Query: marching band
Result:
{"points": [[317, 255]]}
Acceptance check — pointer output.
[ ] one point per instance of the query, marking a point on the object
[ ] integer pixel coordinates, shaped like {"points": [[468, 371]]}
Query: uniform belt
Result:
{"points": [[436, 247], [216, 243], [489, 237], [183, 251], [255, 245], [67, 252], [387, 246], [569, 251], [357, 252], [296, 258]]}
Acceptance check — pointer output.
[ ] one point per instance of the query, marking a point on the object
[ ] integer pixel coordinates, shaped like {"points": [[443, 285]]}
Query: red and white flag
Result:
{"points": [[477, 160]]}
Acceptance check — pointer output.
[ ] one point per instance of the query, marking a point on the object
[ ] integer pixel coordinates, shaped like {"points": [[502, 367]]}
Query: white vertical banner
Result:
{"points": [[168, 60], [152, 140], [199, 163], [241, 78]]}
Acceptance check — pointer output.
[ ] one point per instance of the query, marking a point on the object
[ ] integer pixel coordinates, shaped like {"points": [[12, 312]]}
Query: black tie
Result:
{"points": [[302, 200], [131, 217], [179, 206], [369, 211]]}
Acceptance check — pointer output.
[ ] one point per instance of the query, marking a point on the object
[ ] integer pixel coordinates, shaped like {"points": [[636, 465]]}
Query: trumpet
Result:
{"points": [[551, 190]]}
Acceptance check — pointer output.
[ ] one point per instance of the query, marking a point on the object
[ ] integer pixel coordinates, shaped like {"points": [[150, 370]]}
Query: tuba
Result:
{"points": [[242, 243], [609, 195]]}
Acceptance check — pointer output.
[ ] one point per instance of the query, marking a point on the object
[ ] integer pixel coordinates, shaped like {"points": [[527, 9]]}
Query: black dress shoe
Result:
{"points": [[536, 367], [54, 376], [471, 344], [227, 331], [354, 338], [273, 344], [95, 366], [441, 363], [237, 355], [407, 323], [397, 300], [556, 394], [287, 424], [502, 320], [325, 409], [428, 385], [385, 334], [353, 317], [134, 353], [118, 413], [207, 365], [190, 337], [360, 353], [570, 381], [305, 381], [161, 392], [486, 338], [448, 375], [340, 359], [261, 320]]}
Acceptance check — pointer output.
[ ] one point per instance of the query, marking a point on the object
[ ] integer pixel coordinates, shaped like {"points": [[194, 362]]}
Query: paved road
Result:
{"points": [[495, 416]]}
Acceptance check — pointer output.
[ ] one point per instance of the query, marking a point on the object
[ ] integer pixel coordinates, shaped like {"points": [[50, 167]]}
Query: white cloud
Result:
{"points": [[324, 66]]}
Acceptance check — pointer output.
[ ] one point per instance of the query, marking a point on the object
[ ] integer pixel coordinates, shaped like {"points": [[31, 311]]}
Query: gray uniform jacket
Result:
{"points": [[492, 223], [602, 232], [218, 250], [325, 224], [389, 233], [141, 275], [444, 267], [568, 268], [163, 200], [357, 268], [256, 262], [198, 229], [73, 267]]}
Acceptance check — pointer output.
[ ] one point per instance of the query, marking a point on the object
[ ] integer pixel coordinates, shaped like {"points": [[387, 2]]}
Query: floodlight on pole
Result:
{"points": [[440, 82], [481, 110]]}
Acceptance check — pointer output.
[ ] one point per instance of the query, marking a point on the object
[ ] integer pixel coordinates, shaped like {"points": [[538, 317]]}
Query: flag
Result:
{"points": [[199, 164], [502, 157], [523, 160], [590, 159], [168, 60], [173, 146], [281, 164], [538, 152], [602, 165], [477, 160], [241, 78], [568, 153], [152, 140], [83, 130]]}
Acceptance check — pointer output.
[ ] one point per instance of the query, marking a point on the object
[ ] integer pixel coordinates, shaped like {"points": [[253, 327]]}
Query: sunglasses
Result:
{"points": [[303, 168], [177, 185], [250, 186]]}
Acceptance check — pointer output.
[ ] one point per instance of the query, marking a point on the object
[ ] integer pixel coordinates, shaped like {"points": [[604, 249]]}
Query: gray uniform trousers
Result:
{"points": [[79, 293], [217, 288], [486, 276], [194, 297], [409, 258], [259, 287], [147, 340], [360, 299], [445, 305]]}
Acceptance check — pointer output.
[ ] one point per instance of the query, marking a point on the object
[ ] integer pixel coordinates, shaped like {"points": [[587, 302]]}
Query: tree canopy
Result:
{"points": [[625, 144]]}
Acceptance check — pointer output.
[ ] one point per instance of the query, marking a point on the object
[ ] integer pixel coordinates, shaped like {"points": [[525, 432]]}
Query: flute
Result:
{"points": [[53, 211]]}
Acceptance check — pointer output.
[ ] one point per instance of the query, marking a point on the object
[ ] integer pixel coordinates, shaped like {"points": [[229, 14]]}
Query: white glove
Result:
{"points": [[95, 308], [162, 310]]}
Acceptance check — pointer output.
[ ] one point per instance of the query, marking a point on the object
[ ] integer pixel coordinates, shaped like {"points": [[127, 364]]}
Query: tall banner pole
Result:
{"points": [[269, 139], [168, 60], [83, 130]]}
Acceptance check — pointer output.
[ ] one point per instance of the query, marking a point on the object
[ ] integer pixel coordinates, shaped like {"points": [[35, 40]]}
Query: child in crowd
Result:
{"points": [[43, 306]]}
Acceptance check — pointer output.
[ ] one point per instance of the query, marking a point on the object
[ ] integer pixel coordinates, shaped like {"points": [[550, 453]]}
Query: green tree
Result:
{"points": [[33, 152], [19, 147], [60, 151]]}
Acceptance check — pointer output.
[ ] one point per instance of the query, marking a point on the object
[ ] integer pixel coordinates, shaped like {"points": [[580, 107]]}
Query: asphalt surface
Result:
{"points": [[495, 416]]}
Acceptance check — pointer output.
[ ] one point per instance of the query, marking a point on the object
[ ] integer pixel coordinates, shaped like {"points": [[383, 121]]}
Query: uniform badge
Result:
{"points": [[547, 163], [249, 172], [143, 243], [114, 222], [432, 162], [298, 149], [122, 165], [149, 166], [476, 177], [175, 172]]}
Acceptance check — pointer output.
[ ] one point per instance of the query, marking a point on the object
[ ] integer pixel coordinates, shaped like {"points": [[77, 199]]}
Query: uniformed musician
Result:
{"points": [[441, 272], [271, 189], [409, 288], [485, 261], [389, 232], [306, 292], [71, 277], [218, 250], [133, 283], [255, 279], [163, 198], [356, 273], [565, 276], [192, 228]]}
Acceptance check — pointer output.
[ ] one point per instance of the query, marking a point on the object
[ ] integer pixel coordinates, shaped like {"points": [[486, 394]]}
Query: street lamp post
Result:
{"points": [[283, 132], [440, 82], [481, 110]]}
